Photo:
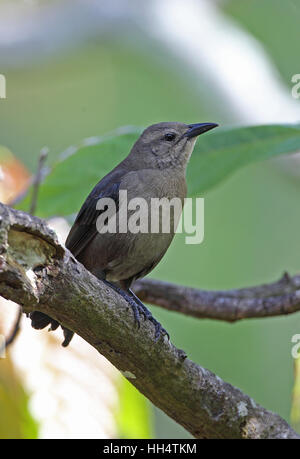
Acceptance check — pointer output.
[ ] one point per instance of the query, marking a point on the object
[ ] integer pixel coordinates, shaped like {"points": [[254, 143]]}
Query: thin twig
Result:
{"points": [[38, 179], [10, 339]]}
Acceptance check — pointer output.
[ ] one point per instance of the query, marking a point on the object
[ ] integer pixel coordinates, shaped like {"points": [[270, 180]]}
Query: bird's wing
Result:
{"points": [[84, 228]]}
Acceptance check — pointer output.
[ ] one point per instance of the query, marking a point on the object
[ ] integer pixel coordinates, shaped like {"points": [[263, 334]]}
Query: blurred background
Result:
{"points": [[81, 68]]}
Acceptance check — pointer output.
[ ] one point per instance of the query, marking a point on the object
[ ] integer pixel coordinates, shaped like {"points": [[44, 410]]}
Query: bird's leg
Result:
{"points": [[147, 314], [128, 298], [138, 308]]}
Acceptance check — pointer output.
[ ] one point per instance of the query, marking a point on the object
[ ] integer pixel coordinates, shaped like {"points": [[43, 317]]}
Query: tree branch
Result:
{"points": [[279, 298], [36, 272]]}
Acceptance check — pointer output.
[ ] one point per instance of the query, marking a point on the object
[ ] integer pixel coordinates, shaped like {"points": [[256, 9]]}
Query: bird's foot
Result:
{"points": [[159, 330], [136, 309], [139, 309], [131, 300]]}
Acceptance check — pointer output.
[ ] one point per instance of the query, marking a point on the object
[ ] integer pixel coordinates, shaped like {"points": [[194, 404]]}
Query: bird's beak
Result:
{"points": [[199, 128]]}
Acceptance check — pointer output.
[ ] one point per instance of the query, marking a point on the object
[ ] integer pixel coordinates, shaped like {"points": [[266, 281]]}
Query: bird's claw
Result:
{"points": [[140, 309], [136, 311], [159, 330]]}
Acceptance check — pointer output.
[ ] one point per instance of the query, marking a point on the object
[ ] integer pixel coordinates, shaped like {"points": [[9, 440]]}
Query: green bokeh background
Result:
{"points": [[252, 220]]}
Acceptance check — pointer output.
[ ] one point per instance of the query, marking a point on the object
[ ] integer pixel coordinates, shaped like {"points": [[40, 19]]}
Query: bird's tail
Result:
{"points": [[40, 320]]}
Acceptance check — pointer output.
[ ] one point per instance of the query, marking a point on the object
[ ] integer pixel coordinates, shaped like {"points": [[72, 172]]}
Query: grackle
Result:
{"points": [[155, 168]]}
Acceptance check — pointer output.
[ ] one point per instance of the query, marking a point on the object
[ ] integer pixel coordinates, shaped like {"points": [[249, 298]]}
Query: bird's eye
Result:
{"points": [[169, 136]]}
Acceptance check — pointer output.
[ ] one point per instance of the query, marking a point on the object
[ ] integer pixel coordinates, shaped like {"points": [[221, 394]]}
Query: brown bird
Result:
{"points": [[155, 168]]}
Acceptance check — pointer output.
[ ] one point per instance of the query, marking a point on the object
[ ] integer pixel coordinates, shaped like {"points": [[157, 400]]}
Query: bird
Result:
{"points": [[154, 168]]}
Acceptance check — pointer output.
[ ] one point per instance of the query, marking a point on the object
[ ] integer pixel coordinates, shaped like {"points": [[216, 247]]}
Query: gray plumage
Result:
{"points": [[155, 168]]}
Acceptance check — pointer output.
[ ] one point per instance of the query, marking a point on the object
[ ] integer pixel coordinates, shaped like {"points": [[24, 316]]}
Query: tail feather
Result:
{"points": [[68, 334], [39, 320]]}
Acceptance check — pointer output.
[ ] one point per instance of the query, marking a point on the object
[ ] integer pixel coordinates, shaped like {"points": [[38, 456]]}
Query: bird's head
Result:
{"points": [[166, 145]]}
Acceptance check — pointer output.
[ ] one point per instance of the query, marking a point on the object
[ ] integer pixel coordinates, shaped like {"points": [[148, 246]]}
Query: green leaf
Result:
{"points": [[15, 420], [217, 154], [134, 418], [220, 153], [75, 175]]}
